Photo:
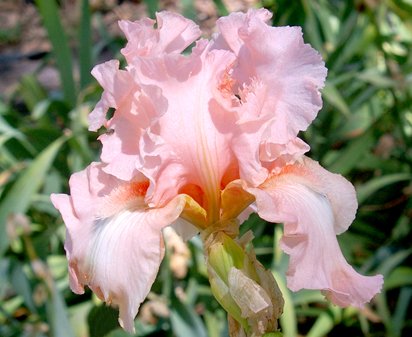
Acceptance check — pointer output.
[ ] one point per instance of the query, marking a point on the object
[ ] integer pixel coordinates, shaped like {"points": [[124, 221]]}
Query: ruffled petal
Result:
{"points": [[185, 145], [115, 247], [121, 143], [291, 70], [116, 84], [173, 34], [307, 199], [277, 78], [229, 28]]}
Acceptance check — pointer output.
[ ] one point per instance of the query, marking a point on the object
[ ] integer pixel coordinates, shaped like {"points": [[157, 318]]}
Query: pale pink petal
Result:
{"points": [[65, 206], [114, 243], [185, 146], [176, 32], [291, 71], [180, 143], [121, 143], [248, 211], [277, 78], [229, 28], [116, 84], [276, 156], [339, 191], [173, 34], [302, 197]]}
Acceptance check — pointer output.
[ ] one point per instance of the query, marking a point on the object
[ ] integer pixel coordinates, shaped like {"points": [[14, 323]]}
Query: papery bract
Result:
{"points": [[199, 141]]}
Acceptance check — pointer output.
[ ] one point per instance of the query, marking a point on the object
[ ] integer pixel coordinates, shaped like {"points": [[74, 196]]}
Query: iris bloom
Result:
{"points": [[198, 141]]}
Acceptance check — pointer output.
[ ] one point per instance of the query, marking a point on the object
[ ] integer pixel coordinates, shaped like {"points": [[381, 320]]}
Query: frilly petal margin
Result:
{"points": [[277, 78], [173, 34], [277, 59], [300, 198], [117, 86], [115, 252]]}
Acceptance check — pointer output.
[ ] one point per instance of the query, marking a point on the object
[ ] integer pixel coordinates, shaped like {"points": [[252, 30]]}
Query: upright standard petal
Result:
{"points": [[165, 128], [292, 71], [277, 78], [114, 242], [116, 84], [121, 143], [302, 197], [185, 146], [173, 34]]}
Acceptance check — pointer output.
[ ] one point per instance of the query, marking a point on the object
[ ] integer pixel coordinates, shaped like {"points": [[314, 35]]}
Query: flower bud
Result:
{"points": [[243, 287]]}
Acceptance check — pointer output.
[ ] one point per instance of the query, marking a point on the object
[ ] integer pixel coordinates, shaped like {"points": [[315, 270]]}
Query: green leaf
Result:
{"points": [[332, 95], [185, 321], [401, 311], [31, 91], [21, 284], [7, 132], [399, 277], [221, 7], [51, 20], [85, 49], [372, 76], [350, 156], [373, 185], [78, 317], [57, 315], [188, 9], [4, 267], [288, 321], [325, 322], [311, 26], [142, 330], [102, 320], [391, 261], [18, 198], [215, 323], [152, 7]]}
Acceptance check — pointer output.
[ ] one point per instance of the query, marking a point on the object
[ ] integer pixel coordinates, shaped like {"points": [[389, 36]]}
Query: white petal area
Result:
{"points": [[316, 261], [113, 240], [125, 252], [119, 257]]}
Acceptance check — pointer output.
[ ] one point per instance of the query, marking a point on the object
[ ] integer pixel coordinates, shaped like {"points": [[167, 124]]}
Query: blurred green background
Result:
{"points": [[364, 132]]}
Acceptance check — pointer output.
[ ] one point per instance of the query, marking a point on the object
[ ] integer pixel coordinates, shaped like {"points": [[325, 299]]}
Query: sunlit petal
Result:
{"points": [[116, 246], [300, 197]]}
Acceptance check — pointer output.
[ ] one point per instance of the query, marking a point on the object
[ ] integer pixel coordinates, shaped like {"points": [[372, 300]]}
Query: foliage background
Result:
{"points": [[364, 132]]}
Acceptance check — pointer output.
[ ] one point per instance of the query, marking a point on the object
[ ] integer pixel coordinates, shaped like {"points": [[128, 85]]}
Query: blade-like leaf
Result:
{"points": [[85, 50], [185, 322], [20, 194], [51, 20], [57, 315], [377, 183]]}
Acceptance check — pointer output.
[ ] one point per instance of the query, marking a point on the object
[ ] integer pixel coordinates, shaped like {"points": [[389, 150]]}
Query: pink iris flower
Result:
{"points": [[199, 139]]}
